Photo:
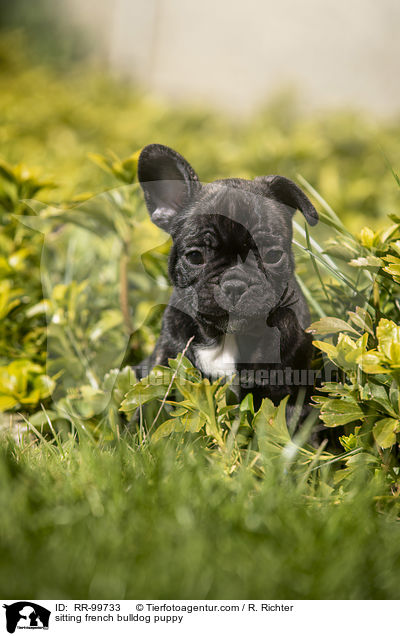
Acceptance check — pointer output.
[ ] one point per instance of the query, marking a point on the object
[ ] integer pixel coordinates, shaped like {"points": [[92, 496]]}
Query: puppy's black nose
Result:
{"points": [[233, 289]]}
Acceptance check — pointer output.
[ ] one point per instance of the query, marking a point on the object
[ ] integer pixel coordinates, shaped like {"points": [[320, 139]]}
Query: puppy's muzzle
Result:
{"points": [[233, 290], [244, 292]]}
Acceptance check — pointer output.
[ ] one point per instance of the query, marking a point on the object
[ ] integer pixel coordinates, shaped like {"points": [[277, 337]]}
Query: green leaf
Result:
{"points": [[110, 319], [338, 412], [376, 394], [190, 423], [384, 432], [328, 325], [271, 428], [247, 404], [362, 319], [326, 347], [368, 262], [7, 402], [371, 362], [184, 368], [349, 442], [40, 418], [367, 237], [140, 394]]}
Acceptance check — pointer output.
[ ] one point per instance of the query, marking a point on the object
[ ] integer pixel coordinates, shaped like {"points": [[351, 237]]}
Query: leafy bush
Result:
{"points": [[367, 351], [89, 325]]}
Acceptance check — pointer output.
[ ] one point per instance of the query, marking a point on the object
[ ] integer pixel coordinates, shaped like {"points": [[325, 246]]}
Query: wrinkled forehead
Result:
{"points": [[232, 211]]}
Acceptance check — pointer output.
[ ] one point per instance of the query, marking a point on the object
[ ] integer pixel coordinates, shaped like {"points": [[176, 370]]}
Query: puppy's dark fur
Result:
{"points": [[232, 269]]}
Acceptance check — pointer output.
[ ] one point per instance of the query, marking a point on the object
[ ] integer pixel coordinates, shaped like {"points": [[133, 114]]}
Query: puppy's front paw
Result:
{"points": [[282, 318]]}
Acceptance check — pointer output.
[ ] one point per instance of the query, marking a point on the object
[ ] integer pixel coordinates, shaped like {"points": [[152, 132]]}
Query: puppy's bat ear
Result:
{"points": [[287, 192], [168, 182]]}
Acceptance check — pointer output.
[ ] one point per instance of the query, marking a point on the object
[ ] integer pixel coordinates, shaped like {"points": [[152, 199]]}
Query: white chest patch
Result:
{"points": [[218, 360]]}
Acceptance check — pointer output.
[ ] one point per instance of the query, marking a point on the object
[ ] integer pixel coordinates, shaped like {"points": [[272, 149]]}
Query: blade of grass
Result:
{"points": [[325, 205], [56, 437], [39, 435], [170, 384], [314, 263], [303, 480], [339, 458], [395, 175], [340, 277], [310, 298], [317, 247]]}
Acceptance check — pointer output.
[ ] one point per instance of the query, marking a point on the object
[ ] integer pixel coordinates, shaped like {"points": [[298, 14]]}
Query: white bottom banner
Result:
{"points": [[216, 617]]}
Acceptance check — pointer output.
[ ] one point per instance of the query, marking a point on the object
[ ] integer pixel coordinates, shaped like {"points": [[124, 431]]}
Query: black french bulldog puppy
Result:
{"points": [[232, 269]]}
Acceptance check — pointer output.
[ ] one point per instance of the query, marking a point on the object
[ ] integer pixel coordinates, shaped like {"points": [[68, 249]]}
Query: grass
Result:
{"points": [[164, 521]]}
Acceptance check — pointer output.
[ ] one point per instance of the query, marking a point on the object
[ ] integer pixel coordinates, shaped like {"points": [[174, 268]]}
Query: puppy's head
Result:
{"points": [[231, 260]]}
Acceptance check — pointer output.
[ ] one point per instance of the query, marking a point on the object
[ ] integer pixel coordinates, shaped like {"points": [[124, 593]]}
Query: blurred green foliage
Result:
{"points": [[49, 33], [54, 120]]}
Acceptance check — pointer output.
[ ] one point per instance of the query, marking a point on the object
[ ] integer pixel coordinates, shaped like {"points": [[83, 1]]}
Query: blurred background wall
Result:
{"points": [[235, 53]]}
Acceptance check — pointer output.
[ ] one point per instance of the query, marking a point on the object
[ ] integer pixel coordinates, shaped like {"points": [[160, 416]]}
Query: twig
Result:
{"points": [[171, 383], [123, 289]]}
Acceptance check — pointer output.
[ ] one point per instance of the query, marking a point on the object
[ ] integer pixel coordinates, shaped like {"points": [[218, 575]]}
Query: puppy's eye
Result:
{"points": [[272, 256], [195, 257]]}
